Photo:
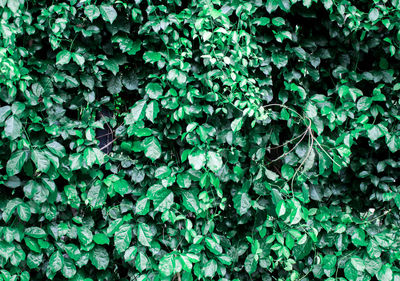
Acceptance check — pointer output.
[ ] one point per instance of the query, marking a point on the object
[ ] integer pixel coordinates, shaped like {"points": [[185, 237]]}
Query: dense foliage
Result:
{"points": [[200, 140]]}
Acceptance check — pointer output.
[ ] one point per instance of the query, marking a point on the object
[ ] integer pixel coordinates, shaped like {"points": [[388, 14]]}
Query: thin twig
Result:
{"points": [[107, 145]]}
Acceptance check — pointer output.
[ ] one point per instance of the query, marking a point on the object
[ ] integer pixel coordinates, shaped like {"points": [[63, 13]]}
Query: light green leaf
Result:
{"points": [[99, 257], [92, 12], [79, 59], [161, 196], [197, 159], [210, 268], [85, 235], [154, 90], [250, 264], [137, 112], [151, 56], [56, 261], [144, 234], [108, 13], [373, 14], [130, 253], [63, 57], [40, 160], [242, 203], [237, 124], [24, 211], [214, 161], [152, 111], [4, 112], [13, 128], [152, 148], [16, 162], [123, 237], [167, 265]]}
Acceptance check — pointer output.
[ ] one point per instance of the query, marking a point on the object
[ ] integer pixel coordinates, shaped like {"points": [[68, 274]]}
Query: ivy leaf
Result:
{"points": [[63, 57], [373, 15], [13, 128], [237, 124], [250, 264], [4, 112], [40, 160], [108, 13], [99, 257], [161, 196], [24, 212], [214, 161], [144, 234], [152, 111], [137, 112], [151, 56], [152, 148], [123, 237], [92, 12], [197, 159], [154, 90], [242, 203], [56, 261], [16, 162], [167, 265]]}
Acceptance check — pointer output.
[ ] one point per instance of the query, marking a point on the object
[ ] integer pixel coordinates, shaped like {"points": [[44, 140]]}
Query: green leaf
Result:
{"points": [[151, 56], [85, 235], [214, 161], [385, 273], [154, 90], [197, 159], [152, 148], [35, 232], [178, 77], [373, 15], [79, 59], [130, 253], [63, 57], [101, 239], [210, 268], [123, 237], [144, 234], [242, 203], [358, 263], [137, 112], [56, 261], [99, 257], [92, 12], [97, 196], [152, 111], [161, 196], [250, 264], [108, 13], [142, 206], [13, 128], [40, 160], [24, 212], [287, 171], [280, 208], [4, 112], [237, 124], [16, 162], [121, 187], [350, 272], [374, 133], [56, 148], [167, 265]]}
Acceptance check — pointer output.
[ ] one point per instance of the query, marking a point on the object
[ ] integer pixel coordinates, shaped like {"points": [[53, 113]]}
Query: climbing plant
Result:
{"points": [[200, 140]]}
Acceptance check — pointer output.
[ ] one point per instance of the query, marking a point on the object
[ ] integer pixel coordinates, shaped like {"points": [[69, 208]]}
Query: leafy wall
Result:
{"points": [[200, 140]]}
